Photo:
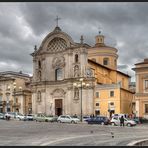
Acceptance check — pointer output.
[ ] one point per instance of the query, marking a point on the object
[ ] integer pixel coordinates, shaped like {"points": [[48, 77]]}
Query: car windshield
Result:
{"points": [[30, 115]]}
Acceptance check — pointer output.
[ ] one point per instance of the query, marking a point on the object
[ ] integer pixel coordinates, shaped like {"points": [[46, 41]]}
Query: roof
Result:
{"points": [[104, 46], [15, 73], [4, 78], [107, 67], [123, 74], [98, 64], [144, 62]]}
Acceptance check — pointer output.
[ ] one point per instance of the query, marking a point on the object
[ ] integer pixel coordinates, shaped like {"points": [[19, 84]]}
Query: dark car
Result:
{"points": [[99, 120], [137, 120]]}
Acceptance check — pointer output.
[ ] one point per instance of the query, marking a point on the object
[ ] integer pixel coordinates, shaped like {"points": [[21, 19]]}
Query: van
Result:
{"points": [[119, 115]]}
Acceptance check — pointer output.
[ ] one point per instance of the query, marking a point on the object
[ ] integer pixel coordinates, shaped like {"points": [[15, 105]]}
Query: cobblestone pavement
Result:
{"points": [[29, 133]]}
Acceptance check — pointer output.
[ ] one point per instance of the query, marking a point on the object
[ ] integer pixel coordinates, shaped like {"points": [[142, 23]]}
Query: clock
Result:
{"points": [[89, 72]]}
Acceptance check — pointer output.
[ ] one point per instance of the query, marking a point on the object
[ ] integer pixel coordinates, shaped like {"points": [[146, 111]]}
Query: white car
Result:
{"points": [[20, 116], [67, 119], [127, 122], [30, 117]]}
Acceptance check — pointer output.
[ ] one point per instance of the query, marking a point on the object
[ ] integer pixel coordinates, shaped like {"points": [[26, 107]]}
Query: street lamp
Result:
{"points": [[80, 85], [7, 102], [14, 89]]}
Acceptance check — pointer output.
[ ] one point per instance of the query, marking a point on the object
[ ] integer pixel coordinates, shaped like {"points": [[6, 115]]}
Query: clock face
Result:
{"points": [[89, 72]]}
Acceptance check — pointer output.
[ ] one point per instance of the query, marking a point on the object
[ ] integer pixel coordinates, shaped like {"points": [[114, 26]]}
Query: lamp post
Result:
{"points": [[14, 89], [80, 85]]}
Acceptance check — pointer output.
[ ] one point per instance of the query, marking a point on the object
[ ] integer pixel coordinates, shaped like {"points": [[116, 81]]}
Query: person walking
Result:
{"points": [[122, 121]]}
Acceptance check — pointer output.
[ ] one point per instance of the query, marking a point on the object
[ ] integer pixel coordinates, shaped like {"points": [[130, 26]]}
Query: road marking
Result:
{"points": [[135, 142], [68, 138]]}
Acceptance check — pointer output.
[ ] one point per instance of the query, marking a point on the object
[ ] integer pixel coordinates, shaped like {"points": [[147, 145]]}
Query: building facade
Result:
{"points": [[15, 92], [58, 65], [141, 96], [113, 94]]}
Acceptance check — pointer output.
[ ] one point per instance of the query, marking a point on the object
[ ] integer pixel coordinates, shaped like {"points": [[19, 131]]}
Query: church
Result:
{"points": [[76, 78]]}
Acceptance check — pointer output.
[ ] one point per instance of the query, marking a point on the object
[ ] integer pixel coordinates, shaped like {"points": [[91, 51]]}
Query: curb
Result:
{"points": [[138, 142]]}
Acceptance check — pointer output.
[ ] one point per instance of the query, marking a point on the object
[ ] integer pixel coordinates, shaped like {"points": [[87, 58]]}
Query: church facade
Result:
{"points": [[75, 78], [58, 65]]}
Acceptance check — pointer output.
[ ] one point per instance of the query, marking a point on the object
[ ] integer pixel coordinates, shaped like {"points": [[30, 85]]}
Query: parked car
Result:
{"points": [[67, 119], [142, 119], [85, 118], [53, 118], [99, 120], [9, 114], [136, 119], [127, 122], [30, 117], [119, 115], [43, 118], [1, 116], [15, 115], [20, 116]]}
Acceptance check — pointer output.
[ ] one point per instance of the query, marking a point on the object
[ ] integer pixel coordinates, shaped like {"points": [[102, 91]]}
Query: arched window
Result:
{"points": [[105, 61], [59, 74], [39, 64], [76, 58], [115, 62]]}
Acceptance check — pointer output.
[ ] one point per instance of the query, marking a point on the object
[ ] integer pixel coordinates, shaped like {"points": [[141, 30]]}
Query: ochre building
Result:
{"points": [[15, 92], [141, 96]]}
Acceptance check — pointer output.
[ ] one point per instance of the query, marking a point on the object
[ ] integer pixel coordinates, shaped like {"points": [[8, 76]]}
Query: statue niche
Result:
{"points": [[76, 71]]}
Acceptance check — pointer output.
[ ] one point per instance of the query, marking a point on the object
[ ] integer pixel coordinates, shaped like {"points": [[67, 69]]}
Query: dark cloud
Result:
{"points": [[123, 24]]}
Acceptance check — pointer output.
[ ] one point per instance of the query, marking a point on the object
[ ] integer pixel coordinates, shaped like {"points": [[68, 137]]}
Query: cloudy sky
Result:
{"points": [[23, 25]]}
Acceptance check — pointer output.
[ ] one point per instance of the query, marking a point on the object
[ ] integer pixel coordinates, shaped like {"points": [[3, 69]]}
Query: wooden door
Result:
{"points": [[58, 107]]}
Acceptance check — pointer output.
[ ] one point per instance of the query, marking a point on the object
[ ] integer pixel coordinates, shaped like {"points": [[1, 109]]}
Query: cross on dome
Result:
{"points": [[99, 30], [57, 19]]}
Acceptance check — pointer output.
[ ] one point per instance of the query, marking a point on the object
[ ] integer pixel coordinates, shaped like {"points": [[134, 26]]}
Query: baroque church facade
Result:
{"points": [[58, 66]]}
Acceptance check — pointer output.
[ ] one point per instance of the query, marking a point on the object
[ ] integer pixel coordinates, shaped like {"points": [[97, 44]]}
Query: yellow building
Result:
{"points": [[141, 96], [112, 94]]}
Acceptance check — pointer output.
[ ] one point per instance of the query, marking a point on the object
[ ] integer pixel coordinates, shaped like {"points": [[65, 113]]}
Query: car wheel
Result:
{"points": [[46, 120], [59, 121], [72, 121], [102, 123], [129, 124], [113, 124]]}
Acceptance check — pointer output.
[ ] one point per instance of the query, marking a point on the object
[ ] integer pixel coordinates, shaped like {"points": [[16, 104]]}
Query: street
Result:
{"points": [[31, 133]]}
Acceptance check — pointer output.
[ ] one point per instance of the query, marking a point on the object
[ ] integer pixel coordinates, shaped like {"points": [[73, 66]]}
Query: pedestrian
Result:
{"points": [[122, 121], [75, 116]]}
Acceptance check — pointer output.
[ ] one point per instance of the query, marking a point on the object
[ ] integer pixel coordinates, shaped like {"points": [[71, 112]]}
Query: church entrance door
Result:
{"points": [[58, 107]]}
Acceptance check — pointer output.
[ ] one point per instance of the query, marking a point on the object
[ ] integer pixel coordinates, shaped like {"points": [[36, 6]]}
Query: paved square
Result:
{"points": [[29, 133]]}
